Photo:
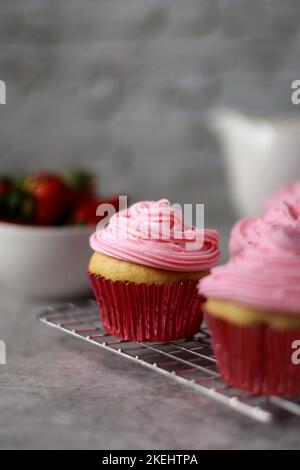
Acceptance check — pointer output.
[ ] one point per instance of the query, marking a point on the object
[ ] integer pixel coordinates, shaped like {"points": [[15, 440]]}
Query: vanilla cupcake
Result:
{"points": [[253, 312], [144, 273]]}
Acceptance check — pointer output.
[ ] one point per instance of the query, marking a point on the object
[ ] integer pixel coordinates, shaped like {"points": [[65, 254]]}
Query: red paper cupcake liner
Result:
{"points": [[256, 359], [148, 312]]}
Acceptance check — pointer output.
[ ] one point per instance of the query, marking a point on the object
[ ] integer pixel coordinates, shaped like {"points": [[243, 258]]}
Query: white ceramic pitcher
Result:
{"points": [[261, 155]]}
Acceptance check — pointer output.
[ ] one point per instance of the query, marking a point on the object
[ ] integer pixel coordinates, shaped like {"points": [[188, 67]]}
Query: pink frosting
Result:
{"points": [[266, 276], [153, 234], [249, 231], [289, 193], [245, 232]]}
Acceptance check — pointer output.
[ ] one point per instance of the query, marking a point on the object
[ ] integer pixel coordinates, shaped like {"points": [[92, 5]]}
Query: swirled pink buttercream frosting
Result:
{"points": [[248, 232], [289, 193], [266, 276], [154, 234]]}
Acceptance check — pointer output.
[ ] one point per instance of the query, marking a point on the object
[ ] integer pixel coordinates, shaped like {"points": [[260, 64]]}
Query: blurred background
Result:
{"points": [[124, 86]]}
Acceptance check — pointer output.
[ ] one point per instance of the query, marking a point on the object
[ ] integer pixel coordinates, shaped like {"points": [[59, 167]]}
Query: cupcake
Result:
{"points": [[144, 273], [253, 312]]}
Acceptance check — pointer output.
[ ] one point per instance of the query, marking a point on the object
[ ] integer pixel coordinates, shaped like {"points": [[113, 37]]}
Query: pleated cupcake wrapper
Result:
{"points": [[148, 312], [257, 359]]}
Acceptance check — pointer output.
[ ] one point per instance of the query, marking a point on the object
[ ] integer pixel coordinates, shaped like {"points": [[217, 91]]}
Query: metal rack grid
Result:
{"points": [[189, 361]]}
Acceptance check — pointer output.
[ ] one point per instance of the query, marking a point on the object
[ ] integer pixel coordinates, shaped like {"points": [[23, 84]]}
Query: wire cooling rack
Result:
{"points": [[189, 361]]}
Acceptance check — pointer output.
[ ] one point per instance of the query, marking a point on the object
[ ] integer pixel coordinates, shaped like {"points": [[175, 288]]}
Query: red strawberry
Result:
{"points": [[51, 197], [85, 213], [81, 183]]}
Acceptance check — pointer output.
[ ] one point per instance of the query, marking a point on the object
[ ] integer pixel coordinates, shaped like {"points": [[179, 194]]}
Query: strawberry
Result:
{"points": [[51, 197], [81, 183], [85, 213]]}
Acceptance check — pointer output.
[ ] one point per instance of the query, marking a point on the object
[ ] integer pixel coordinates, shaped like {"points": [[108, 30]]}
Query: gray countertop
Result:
{"points": [[58, 392]]}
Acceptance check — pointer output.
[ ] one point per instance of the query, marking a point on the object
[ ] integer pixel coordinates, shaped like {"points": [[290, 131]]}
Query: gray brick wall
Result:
{"points": [[123, 85]]}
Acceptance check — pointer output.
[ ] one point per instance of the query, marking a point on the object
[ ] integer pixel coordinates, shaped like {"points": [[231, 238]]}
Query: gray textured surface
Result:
{"points": [[58, 392]]}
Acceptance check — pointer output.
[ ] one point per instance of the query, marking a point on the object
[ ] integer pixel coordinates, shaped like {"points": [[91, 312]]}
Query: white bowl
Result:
{"points": [[44, 261]]}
